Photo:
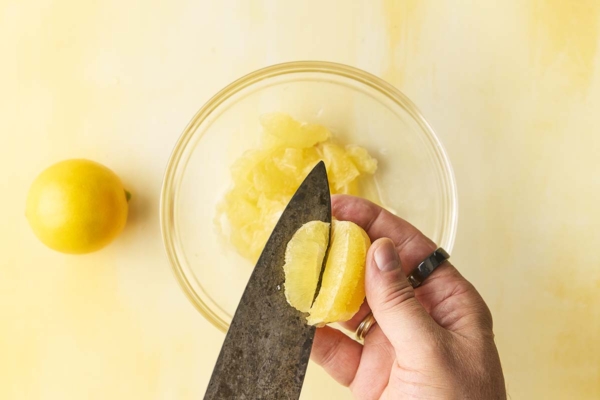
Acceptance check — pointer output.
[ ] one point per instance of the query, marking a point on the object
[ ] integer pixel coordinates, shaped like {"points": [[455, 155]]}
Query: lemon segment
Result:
{"points": [[281, 130], [304, 256], [340, 168], [362, 159], [343, 286]]}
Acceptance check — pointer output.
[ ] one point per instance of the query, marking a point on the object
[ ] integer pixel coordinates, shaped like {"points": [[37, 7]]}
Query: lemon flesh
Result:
{"points": [[77, 206], [304, 256], [343, 285], [265, 179]]}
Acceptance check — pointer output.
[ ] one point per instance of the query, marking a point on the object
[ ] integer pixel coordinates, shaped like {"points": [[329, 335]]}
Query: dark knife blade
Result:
{"points": [[267, 347]]}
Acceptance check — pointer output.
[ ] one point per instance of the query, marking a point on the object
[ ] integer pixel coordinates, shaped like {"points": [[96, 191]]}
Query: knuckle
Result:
{"points": [[395, 295], [329, 356]]}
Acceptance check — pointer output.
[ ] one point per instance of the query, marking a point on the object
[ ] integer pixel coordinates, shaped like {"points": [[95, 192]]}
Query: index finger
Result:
{"points": [[412, 245]]}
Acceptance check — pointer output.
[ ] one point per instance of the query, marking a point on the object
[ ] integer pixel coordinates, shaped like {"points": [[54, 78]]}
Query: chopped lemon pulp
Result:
{"points": [[265, 179]]}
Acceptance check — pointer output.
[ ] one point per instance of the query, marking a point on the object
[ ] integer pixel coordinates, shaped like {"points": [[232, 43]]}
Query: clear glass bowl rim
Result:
{"points": [[169, 182]]}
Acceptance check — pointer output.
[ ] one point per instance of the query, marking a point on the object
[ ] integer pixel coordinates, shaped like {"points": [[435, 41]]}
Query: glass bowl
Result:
{"points": [[414, 177]]}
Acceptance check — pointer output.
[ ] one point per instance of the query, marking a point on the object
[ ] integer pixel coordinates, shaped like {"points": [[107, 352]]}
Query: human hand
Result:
{"points": [[433, 342]]}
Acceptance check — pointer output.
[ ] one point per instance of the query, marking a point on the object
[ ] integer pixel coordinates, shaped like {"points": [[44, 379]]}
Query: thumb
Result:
{"points": [[392, 299]]}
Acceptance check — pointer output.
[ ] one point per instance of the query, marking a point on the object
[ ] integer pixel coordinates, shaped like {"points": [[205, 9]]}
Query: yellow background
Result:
{"points": [[512, 88]]}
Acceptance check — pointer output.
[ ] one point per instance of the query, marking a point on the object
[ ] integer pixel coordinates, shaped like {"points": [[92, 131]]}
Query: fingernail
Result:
{"points": [[386, 256]]}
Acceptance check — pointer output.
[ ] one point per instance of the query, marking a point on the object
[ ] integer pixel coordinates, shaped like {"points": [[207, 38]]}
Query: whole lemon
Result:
{"points": [[77, 206]]}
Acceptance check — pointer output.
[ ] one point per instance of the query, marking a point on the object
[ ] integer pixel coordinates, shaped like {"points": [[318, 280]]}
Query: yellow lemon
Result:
{"points": [[77, 206], [343, 284], [304, 256]]}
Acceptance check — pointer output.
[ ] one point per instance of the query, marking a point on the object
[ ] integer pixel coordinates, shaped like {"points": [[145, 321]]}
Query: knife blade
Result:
{"points": [[267, 347]]}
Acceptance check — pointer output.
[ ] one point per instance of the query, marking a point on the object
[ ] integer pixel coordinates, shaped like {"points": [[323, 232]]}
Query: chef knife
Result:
{"points": [[267, 347]]}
